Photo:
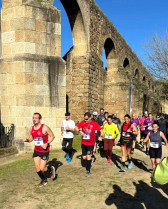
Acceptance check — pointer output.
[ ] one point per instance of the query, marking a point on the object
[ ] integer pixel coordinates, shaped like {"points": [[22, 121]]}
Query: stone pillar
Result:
{"points": [[33, 75]]}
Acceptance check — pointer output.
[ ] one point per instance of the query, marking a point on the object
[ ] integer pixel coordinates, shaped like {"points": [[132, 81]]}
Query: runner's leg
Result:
{"points": [[123, 149], [129, 157]]}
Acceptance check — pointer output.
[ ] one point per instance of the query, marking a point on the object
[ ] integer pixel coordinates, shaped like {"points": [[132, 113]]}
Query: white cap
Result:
{"points": [[95, 113], [146, 112]]}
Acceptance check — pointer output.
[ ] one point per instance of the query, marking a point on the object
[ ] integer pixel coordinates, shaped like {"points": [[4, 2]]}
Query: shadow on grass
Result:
{"points": [[149, 196], [54, 162], [158, 186], [140, 164]]}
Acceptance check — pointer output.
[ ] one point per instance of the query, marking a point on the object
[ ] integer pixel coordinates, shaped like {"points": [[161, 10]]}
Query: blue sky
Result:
{"points": [[136, 20]]}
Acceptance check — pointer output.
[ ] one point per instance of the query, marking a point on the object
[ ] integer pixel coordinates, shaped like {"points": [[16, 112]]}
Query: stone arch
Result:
{"points": [[76, 20], [110, 53], [126, 63], [136, 74]]}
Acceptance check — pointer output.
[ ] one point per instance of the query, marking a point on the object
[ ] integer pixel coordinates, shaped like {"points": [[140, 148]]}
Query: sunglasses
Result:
{"points": [[86, 119]]}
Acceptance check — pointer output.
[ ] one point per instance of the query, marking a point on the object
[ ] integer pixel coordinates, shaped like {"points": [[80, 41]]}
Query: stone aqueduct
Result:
{"points": [[34, 77]]}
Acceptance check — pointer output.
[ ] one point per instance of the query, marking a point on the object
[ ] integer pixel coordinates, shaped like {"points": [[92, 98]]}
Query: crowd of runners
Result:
{"points": [[100, 133]]}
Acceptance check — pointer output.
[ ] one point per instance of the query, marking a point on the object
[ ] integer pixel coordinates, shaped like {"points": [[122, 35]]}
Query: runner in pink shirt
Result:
{"points": [[141, 123]]}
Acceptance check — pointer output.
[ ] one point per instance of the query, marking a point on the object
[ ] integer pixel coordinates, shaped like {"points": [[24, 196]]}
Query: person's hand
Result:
{"points": [[25, 140], [68, 128], [100, 138], [81, 133], [129, 131], [44, 146]]}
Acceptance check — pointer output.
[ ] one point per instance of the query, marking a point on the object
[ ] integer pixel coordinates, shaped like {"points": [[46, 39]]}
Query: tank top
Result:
{"points": [[39, 139], [124, 134], [155, 139]]}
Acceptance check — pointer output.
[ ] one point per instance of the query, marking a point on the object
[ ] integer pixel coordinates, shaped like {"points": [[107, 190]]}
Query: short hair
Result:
{"points": [[150, 113], [106, 113], [87, 114], [155, 123], [128, 116], [110, 116], [101, 109], [40, 116]]}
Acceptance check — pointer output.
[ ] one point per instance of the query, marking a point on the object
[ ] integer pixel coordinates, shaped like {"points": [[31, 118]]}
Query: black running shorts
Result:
{"points": [[87, 149], [155, 152], [42, 155]]}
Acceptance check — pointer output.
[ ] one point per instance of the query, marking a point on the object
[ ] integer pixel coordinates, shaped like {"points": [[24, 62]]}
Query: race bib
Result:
{"points": [[154, 144], [38, 141], [125, 134], [86, 136], [150, 128], [95, 131], [108, 136]]}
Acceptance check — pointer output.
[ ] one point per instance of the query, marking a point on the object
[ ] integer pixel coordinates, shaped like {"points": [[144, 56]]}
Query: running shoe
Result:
{"points": [[132, 151], [42, 183], [87, 174], [52, 172], [143, 148], [130, 165], [109, 160], [122, 169], [147, 152], [67, 156], [69, 160]]}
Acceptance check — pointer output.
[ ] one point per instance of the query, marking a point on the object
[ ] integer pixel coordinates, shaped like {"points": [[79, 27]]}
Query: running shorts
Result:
{"points": [[42, 155], [155, 152], [87, 149]]}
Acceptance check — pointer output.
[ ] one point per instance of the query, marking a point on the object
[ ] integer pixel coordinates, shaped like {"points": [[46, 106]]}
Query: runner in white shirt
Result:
{"points": [[67, 129]]}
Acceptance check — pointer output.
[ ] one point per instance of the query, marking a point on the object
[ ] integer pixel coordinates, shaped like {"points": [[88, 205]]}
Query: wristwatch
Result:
{"points": [[48, 144]]}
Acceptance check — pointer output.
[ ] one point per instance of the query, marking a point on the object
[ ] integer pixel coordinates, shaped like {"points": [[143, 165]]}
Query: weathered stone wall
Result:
{"points": [[33, 76]]}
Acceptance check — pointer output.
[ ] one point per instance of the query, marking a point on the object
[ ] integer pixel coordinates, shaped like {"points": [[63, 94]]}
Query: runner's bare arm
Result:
{"points": [[50, 133], [30, 139], [147, 137], [135, 129], [76, 129], [164, 138]]}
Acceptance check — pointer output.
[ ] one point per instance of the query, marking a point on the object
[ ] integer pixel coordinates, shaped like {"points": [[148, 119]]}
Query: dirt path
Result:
{"points": [[106, 188]]}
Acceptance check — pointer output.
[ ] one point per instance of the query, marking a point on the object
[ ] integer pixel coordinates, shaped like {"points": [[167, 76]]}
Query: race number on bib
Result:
{"points": [[86, 136], [38, 141], [150, 128], [108, 136], [125, 134], [154, 144]]}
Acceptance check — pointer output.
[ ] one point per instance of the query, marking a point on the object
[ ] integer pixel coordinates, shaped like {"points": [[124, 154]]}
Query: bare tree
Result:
{"points": [[156, 50]]}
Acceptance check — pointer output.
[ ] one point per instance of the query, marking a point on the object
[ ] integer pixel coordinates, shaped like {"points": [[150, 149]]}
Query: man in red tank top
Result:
{"points": [[39, 134], [88, 140]]}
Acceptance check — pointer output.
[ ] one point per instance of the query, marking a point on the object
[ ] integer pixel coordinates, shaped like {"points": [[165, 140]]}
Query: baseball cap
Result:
{"points": [[94, 113]]}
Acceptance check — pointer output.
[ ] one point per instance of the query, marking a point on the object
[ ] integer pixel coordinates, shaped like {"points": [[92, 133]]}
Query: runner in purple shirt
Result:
{"points": [[148, 128], [135, 121]]}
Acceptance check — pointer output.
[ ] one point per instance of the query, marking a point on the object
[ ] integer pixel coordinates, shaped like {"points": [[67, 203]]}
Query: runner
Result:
{"points": [[106, 114], [134, 121], [163, 124], [88, 140], [67, 129], [148, 128], [39, 134], [98, 142], [141, 122], [110, 134], [116, 120], [126, 141], [155, 137], [101, 116]]}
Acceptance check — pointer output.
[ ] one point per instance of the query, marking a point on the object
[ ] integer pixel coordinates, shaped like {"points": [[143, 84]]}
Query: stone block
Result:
{"points": [[8, 13], [8, 100], [29, 67], [29, 24], [44, 111], [19, 11], [30, 36], [41, 49], [42, 90], [20, 122], [6, 50], [20, 100], [41, 68], [59, 122], [23, 47], [19, 35], [40, 26], [29, 11], [39, 101], [3, 90], [16, 89], [5, 26], [20, 78], [30, 89]]}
